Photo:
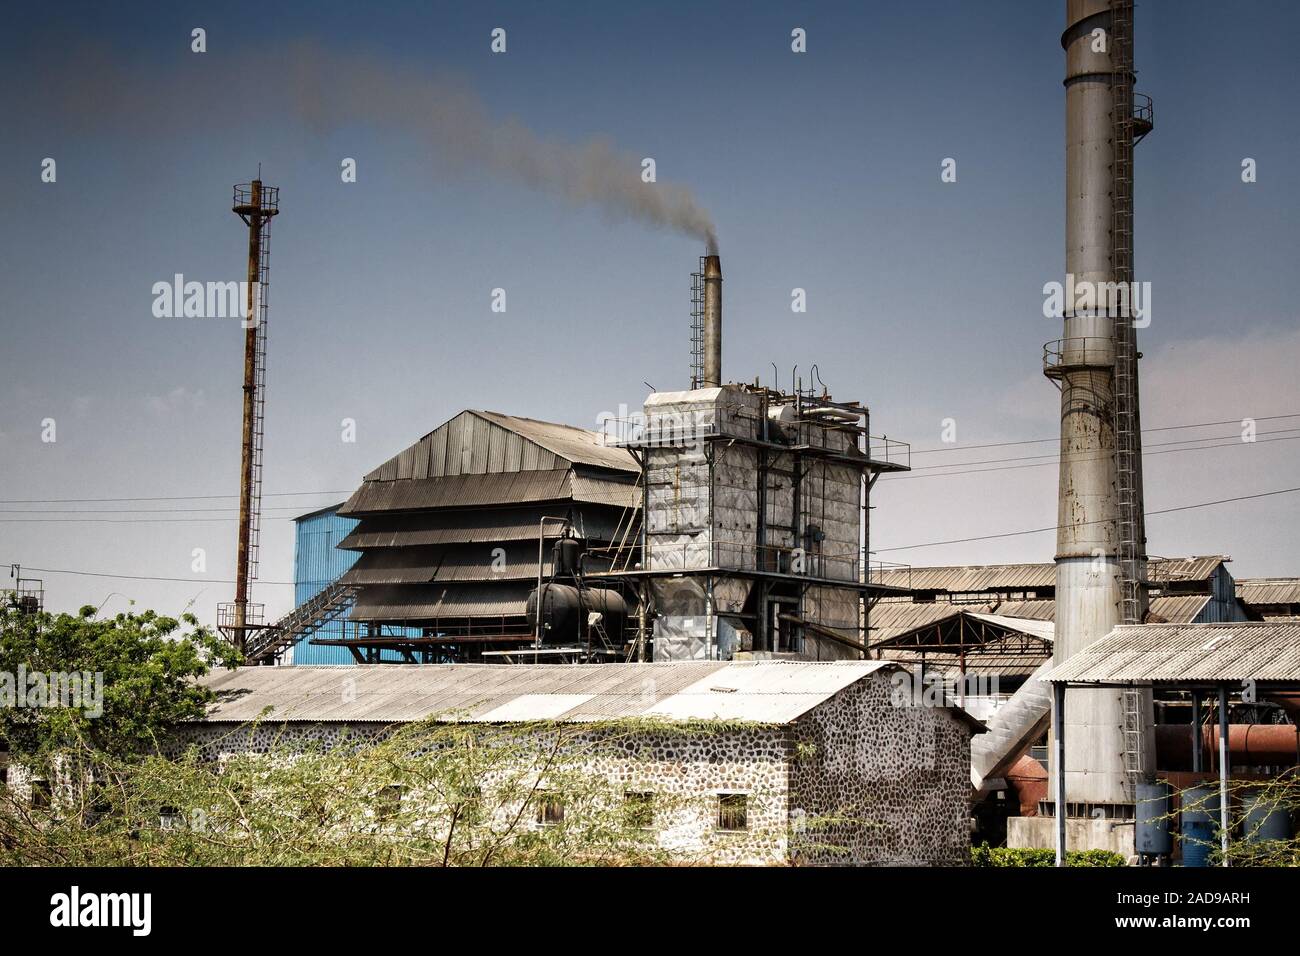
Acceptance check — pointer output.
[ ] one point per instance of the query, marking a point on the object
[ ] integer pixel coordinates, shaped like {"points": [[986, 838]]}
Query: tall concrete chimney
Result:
{"points": [[712, 322], [1108, 733]]}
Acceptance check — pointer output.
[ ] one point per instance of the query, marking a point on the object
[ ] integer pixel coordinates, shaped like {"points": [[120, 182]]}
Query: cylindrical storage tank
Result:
{"points": [[565, 555], [1154, 832], [1265, 818], [565, 609], [1200, 824]]}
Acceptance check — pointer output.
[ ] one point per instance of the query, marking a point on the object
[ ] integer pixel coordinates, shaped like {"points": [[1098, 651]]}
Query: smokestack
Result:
{"points": [[712, 322], [1108, 733]]}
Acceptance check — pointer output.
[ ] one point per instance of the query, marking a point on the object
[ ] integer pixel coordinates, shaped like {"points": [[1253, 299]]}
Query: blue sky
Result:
{"points": [[820, 170]]}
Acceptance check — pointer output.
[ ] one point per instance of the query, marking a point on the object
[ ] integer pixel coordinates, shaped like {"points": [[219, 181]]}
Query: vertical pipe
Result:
{"points": [[1223, 771], [712, 322], [1198, 745], [1058, 737]]}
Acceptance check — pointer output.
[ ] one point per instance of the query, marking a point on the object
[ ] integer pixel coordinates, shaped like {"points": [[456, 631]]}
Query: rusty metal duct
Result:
{"points": [[712, 322], [1108, 733]]}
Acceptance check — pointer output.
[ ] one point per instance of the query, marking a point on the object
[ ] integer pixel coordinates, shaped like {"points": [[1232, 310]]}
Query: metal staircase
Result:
{"points": [[329, 604], [1129, 127]]}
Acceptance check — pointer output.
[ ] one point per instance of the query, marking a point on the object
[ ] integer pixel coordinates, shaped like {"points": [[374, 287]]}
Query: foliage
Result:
{"points": [[433, 793], [1246, 845], [147, 669], [985, 855]]}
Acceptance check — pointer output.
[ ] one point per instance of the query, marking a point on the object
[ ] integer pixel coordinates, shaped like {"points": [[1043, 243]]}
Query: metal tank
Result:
{"points": [[1199, 825]]}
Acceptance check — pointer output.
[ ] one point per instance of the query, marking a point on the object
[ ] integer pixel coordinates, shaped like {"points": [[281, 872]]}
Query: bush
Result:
{"points": [[985, 855]]}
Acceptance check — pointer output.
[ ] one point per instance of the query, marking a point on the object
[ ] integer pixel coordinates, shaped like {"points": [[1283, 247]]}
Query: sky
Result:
{"points": [[478, 170]]}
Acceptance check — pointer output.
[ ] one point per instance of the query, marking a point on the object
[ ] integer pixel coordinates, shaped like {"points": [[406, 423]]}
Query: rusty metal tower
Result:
{"points": [[256, 205]]}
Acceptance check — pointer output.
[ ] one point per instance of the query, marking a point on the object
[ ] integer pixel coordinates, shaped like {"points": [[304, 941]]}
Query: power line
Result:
{"points": [[909, 547], [1052, 459], [1014, 534], [1057, 438]]}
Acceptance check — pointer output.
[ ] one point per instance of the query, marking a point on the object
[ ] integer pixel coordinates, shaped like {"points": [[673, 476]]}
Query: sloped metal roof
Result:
{"points": [[1212, 653], [1269, 590], [428, 602], [471, 491], [578, 445], [471, 527], [1043, 630], [769, 692], [457, 562], [990, 577]]}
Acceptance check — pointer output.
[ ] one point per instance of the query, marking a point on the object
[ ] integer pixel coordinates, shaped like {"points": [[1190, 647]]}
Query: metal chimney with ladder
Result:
{"points": [[256, 205]]}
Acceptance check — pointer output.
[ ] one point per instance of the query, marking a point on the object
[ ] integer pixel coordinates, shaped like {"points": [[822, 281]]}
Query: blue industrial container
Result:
{"points": [[318, 561], [1200, 824]]}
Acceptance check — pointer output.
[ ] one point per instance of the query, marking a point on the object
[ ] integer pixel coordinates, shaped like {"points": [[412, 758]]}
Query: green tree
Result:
{"points": [[142, 665]]}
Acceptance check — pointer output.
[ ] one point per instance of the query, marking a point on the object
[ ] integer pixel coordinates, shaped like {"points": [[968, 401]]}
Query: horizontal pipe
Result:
{"points": [[1248, 744]]}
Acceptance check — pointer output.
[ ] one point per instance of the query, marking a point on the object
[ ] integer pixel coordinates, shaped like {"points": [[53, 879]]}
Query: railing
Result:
{"points": [[889, 450], [667, 431], [876, 571], [1089, 351], [228, 615]]}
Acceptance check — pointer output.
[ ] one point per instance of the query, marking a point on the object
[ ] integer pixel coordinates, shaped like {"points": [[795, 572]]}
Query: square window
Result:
{"points": [[733, 811], [639, 809], [550, 808]]}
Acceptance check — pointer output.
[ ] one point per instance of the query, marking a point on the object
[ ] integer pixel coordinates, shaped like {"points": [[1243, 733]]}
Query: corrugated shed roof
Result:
{"points": [[989, 577], [472, 527], [1268, 651], [427, 602], [770, 692], [1043, 630], [890, 618], [457, 562], [578, 445], [1269, 590], [471, 491]]}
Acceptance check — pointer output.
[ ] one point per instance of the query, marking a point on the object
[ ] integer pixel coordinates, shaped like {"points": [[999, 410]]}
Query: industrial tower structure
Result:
{"points": [[1101, 541], [256, 205]]}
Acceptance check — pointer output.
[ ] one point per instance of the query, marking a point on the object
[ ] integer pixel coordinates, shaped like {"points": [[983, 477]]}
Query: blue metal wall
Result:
{"points": [[316, 562]]}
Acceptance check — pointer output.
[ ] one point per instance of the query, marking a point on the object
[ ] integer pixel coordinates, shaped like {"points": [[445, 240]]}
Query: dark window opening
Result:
{"points": [[550, 808], [639, 810], [733, 811]]}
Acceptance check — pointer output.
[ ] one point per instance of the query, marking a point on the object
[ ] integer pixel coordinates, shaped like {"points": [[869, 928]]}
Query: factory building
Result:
{"points": [[448, 533], [760, 762]]}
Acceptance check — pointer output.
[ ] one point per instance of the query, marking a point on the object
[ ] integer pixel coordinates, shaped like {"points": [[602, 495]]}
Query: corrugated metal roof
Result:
{"points": [[1215, 653], [891, 618], [472, 527], [1014, 577], [457, 562], [427, 602], [769, 692], [459, 491], [578, 445], [476, 491], [1269, 590], [1043, 630]]}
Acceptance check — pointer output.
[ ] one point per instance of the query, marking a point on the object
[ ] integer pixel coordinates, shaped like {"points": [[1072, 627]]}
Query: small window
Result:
{"points": [[390, 801], [639, 809], [169, 818], [4, 776], [733, 811], [40, 794], [550, 808]]}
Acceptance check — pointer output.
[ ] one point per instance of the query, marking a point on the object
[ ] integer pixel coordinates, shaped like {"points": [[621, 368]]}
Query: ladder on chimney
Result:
{"points": [[259, 395], [1131, 532], [697, 326]]}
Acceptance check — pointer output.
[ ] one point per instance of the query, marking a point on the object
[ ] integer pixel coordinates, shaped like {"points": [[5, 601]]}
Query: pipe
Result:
{"points": [[1224, 767], [1248, 745], [1028, 781], [712, 322]]}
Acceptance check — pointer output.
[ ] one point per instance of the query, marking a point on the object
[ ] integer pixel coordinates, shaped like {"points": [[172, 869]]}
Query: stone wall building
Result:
{"points": [[831, 763]]}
